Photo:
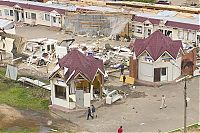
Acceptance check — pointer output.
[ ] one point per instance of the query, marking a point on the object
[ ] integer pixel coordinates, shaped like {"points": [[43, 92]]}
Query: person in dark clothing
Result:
{"points": [[94, 111], [89, 113], [122, 69], [124, 79]]}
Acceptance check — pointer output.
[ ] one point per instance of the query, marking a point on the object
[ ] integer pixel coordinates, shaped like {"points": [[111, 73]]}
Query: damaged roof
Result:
{"points": [[38, 6], [78, 63], [172, 19], [156, 44]]}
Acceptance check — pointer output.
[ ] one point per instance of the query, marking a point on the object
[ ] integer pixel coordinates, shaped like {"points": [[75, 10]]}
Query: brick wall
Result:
{"points": [[189, 57], [133, 68]]}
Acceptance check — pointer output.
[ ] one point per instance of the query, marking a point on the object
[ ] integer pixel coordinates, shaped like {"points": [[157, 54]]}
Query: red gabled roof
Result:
{"points": [[85, 65], [143, 19], [182, 25], [156, 44]]}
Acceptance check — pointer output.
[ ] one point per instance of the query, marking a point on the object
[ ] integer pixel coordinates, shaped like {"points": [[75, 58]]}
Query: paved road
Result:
{"points": [[148, 112]]}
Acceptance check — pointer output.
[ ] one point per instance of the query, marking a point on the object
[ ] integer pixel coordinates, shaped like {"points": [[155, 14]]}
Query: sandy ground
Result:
{"points": [[13, 119], [135, 111], [10, 116], [143, 114], [177, 2]]}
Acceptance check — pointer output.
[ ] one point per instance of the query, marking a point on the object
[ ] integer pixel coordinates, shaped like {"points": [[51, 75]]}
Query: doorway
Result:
{"points": [[80, 98], [16, 15], [157, 74]]}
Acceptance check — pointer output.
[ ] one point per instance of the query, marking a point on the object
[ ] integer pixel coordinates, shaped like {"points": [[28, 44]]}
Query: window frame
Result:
{"points": [[139, 29], [6, 12], [164, 73], [47, 17], [33, 16]]}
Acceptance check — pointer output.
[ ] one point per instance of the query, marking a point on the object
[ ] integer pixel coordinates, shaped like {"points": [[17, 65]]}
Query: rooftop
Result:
{"points": [[172, 16], [156, 44]]}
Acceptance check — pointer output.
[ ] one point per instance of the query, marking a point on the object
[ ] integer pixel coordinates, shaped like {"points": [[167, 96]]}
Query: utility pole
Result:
{"points": [[185, 105]]}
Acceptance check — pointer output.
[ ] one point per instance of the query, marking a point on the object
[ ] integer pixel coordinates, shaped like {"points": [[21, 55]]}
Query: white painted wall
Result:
{"points": [[175, 32], [58, 101], [142, 72], [40, 17], [86, 99], [8, 42], [65, 102], [173, 71]]}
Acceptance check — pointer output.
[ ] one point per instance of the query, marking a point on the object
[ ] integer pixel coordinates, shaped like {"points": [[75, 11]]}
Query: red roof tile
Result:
{"points": [[156, 44], [182, 25], [86, 65], [143, 19]]}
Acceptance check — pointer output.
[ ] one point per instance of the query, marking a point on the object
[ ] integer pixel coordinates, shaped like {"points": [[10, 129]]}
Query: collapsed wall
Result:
{"points": [[96, 24], [18, 43]]}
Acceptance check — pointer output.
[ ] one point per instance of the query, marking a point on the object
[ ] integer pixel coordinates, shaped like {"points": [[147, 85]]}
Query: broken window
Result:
{"points": [[11, 12], [28, 15], [52, 47], [168, 33], [48, 48], [33, 16], [47, 17], [6, 12], [139, 29], [149, 32], [60, 92], [54, 19], [59, 20], [161, 30]]}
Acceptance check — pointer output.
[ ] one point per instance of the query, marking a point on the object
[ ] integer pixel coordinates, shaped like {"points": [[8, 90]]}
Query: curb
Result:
{"points": [[197, 123]]}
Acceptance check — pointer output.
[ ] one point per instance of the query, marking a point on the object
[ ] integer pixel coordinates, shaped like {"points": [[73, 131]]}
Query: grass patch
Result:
{"points": [[14, 94], [192, 128], [32, 130]]}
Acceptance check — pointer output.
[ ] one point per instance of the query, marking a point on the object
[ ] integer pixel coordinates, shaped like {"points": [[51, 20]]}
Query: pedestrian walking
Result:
{"points": [[124, 79], [120, 130], [163, 102], [94, 111], [89, 113], [122, 69]]}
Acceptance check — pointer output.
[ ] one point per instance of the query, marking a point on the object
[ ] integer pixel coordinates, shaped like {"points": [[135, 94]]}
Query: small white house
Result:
{"points": [[158, 58], [76, 80]]}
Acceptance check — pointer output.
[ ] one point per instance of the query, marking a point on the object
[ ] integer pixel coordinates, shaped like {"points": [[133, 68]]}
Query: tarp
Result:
{"points": [[11, 72]]}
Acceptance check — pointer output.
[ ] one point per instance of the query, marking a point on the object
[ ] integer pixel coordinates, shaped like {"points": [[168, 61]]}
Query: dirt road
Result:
{"points": [[13, 119]]}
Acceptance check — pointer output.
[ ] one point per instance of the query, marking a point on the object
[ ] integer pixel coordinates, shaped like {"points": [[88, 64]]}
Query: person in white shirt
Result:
{"points": [[163, 102]]}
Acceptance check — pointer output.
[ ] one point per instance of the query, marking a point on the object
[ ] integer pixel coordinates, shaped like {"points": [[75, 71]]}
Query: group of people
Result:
{"points": [[91, 112]]}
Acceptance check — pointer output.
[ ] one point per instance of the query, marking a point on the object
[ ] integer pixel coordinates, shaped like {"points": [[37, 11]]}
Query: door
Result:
{"points": [[156, 74], [198, 40], [22, 16], [80, 98], [53, 21], [16, 15], [163, 74]]}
